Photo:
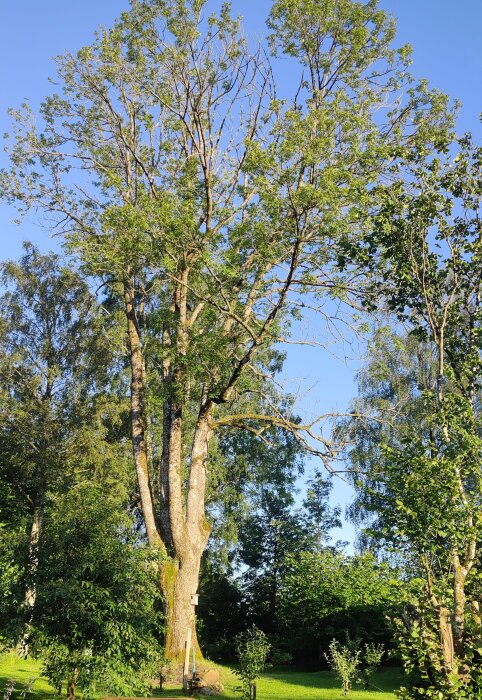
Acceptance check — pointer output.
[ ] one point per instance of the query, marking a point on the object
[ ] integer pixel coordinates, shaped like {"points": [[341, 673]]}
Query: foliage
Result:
{"points": [[423, 464], [79, 587], [326, 593], [252, 648], [97, 624], [372, 655], [222, 610], [269, 536], [244, 577], [61, 414], [345, 662]]}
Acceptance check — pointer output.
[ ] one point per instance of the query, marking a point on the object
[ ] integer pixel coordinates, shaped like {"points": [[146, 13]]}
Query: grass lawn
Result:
{"points": [[25, 674], [299, 685], [274, 684]]}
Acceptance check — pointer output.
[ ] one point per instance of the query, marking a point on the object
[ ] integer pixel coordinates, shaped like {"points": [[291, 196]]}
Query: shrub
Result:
{"points": [[251, 648], [372, 657], [345, 662]]}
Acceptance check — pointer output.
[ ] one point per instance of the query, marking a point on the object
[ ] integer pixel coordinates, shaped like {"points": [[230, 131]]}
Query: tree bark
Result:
{"points": [[190, 533], [180, 527], [459, 609], [137, 415], [71, 685], [33, 560], [180, 580], [446, 639]]}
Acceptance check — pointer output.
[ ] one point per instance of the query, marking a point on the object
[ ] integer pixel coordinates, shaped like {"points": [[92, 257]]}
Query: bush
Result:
{"points": [[345, 662], [98, 624], [251, 648], [372, 657]]}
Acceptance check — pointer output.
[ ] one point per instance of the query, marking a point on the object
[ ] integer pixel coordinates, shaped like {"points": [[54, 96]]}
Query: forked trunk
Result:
{"points": [[179, 527], [188, 532]]}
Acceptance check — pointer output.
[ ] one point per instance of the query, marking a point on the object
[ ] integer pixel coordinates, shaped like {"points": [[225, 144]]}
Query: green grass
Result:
{"points": [[25, 674], [273, 685], [299, 685]]}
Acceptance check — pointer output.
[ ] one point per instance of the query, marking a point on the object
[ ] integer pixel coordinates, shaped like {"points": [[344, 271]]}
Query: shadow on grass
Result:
{"points": [[30, 685], [385, 680], [26, 678]]}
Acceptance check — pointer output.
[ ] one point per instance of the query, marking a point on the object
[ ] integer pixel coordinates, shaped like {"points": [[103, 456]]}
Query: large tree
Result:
{"points": [[56, 364], [214, 208], [419, 464]]}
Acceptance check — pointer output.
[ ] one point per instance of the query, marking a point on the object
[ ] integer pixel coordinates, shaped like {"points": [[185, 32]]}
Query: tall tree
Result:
{"points": [[274, 530], [56, 357], [424, 477], [214, 209]]}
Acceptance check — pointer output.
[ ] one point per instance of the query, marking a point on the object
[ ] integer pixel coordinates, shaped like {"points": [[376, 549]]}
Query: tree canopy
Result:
{"points": [[217, 211]]}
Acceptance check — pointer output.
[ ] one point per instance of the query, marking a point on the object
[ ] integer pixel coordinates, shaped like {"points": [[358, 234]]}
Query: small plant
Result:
{"points": [[251, 649], [345, 662], [372, 657]]}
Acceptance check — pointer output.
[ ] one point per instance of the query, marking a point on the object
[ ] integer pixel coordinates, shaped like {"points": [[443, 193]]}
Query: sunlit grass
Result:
{"points": [[273, 685], [321, 685], [26, 676]]}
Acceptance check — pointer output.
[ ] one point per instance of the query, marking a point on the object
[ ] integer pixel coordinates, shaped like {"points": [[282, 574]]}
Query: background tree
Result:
{"points": [[242, 468], [272, 533], [326, 595], [98, 620], [56, 357], [424, 478], [215, 209]]}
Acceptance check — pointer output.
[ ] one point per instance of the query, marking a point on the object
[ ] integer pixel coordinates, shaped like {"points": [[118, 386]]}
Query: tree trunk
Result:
{"points": [[31, 591], [459, 610], [188, 529], [139, 443], [179, 527], [446, 639], [71, 685], [180, 579]]}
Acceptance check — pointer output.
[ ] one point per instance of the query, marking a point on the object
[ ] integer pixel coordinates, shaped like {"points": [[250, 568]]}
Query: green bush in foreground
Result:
{"points": [[345, 662], [97, 627], [252, 648]]}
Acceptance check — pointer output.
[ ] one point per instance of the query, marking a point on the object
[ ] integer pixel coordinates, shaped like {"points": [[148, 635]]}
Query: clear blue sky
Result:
{"points": [[446, 38]]}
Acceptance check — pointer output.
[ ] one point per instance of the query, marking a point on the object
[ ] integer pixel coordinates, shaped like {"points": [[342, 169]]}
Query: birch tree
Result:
{"points": [[55, 413], [419, 462]]}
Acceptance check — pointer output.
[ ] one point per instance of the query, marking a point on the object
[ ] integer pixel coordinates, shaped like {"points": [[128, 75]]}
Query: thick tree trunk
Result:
{"points": [[179, 527], [190, 532], [180, 581]]}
